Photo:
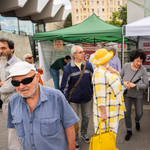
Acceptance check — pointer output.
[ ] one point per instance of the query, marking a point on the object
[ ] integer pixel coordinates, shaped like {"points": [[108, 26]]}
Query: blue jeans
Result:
{"points": [[85, 112], [55, 75]]}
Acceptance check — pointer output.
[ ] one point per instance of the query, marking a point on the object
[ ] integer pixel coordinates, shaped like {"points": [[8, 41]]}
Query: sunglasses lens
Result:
{"points": [[15, 83], [27, 80]]}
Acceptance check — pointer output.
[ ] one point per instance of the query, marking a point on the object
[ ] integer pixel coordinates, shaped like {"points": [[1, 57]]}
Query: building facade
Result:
{"points": [[141, 10], [82, 9]]}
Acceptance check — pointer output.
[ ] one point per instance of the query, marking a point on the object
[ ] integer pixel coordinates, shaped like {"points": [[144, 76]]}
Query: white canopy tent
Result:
{"points": [[137, 28]]}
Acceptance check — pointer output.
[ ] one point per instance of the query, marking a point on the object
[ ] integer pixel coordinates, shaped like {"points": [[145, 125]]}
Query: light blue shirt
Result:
{"points": [[44, 129], [115, 63]]}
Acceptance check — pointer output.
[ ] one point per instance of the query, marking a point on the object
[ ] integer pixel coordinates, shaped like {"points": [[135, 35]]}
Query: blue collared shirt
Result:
{"points": [[115, 63], [44, 129]]}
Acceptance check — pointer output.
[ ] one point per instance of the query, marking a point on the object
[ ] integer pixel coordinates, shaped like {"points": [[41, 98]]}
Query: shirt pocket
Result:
{"points": [[49, 126], [18, 123]]}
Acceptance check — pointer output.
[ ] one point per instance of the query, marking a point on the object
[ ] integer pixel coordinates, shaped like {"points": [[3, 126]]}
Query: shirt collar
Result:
{"points": [[11, 60], [73, 64], [42, 96]]}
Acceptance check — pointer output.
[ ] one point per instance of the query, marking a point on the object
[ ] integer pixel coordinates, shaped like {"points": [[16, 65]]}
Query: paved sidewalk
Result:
{"points": [[139, 140]]}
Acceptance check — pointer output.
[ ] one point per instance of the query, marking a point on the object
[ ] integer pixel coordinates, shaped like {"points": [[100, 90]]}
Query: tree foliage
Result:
{"points": [[119, 18], [68, 21], [123, 15]]}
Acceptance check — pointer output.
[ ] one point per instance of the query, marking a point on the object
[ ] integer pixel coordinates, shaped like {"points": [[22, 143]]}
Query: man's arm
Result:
{"points": [[70, 137]]}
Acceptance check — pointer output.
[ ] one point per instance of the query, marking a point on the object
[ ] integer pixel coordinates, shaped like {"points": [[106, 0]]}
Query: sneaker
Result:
{"points": [[77, 145], [137, 126], [127, 137], [85, 138]]}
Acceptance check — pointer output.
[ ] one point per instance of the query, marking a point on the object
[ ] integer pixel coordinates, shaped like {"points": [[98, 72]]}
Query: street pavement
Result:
{"points": [[139, 140]]}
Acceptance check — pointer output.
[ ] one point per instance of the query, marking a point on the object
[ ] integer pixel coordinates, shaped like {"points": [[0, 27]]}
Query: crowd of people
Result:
{"points": [[40, 117]]}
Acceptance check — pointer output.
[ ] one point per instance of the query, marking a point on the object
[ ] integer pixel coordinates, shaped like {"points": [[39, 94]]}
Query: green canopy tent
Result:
{"points": [[92, 30]]}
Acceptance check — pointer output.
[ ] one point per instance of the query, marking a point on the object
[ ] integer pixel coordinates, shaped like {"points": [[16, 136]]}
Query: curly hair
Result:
{"points": [[138, 53]]}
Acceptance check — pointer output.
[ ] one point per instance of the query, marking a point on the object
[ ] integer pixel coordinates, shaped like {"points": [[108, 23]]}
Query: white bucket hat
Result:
{"points": [[20, 68]]}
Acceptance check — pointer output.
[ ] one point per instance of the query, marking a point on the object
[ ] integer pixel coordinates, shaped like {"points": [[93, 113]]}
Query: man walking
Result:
{"points": [[82, 94], [41, 115], [56, 66], [7, 60]]}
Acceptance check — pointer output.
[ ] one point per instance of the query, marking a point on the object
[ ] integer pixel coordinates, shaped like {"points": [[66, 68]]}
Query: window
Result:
{"points": [[118, 2], [76, 3], [92, 10], [77, 18], [92, 2], [111, 9], [103, 17], [118, 9], [84, 10], [111, 2], [98, 10], [85, 17], [97, 2], [76, 10], [103, 10], [84, 2], [88, 2], [102, 2]]}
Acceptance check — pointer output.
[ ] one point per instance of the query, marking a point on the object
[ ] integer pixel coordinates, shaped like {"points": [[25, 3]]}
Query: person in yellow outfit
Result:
{"points": [[108, 103]]}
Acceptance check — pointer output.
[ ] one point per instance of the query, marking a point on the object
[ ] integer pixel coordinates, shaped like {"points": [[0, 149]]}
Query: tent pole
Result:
{"points": [[122, 52]]}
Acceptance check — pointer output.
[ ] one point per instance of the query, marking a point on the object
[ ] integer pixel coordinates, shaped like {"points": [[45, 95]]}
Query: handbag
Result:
{"points": [[76, 125], [103, 141]]}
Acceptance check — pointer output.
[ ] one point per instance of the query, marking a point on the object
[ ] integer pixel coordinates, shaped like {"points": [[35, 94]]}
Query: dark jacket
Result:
{"points": [[84, 90]]}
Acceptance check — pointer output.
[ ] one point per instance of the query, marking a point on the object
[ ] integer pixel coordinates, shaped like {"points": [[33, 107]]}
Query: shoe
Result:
{"points": [[137, 126], [85, 138], [77, 145], [127, 137]]}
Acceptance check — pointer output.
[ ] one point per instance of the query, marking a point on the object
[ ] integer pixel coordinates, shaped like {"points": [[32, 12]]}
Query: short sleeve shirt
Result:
{"points": [[44, 129]]}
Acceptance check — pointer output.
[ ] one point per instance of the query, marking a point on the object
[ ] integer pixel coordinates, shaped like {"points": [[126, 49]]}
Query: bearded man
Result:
{"points": [[7, 60]]}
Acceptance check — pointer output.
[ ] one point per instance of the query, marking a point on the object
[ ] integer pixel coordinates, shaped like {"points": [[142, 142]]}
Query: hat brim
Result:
{"points": [[95, 62], [19, 73]]}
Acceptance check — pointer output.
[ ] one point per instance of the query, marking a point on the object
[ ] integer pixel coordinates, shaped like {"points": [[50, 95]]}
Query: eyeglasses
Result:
{"points": [[24, 81], [81, 52], [29, 57]]}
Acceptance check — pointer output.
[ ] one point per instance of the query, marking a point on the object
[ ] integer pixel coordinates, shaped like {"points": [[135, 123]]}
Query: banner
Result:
{"points": [[144, 44]]}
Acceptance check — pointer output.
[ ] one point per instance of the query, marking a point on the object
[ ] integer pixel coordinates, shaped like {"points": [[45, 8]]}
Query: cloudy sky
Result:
{"points": [[66, 2]]}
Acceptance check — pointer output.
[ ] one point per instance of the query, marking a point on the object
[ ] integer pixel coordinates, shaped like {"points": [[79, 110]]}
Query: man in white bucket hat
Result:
{"points": [[41, 115]]}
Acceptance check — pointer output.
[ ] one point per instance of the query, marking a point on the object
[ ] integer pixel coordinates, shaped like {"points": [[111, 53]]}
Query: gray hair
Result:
{"points": [[73, 49], [25, 56], [112, 48]]}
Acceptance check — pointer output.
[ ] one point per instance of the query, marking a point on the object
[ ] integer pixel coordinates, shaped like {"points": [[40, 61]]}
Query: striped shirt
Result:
{"points": [[107, 92]]}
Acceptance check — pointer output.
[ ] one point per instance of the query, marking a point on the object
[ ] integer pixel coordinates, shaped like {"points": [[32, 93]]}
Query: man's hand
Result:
{"points": [[112, 70], [104, 117], [70, 137], [39, 69], [1, 83]]}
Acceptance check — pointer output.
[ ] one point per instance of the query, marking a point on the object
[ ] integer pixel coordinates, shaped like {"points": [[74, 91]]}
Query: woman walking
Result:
{"points": [[135, 80], [108, 101]]}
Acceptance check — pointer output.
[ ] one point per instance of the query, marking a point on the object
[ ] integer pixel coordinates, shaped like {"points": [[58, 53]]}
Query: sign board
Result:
{"points": [[58, 44], [145, 45]]}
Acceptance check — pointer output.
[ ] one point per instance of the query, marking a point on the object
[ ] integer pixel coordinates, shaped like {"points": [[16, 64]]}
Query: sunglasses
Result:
{"points": [[24, 81], [29, 57], [81, 52]]}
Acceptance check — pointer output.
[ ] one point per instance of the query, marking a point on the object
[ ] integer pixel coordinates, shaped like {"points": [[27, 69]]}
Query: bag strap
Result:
{"points": [[71, 91], [135, 74]]}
